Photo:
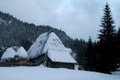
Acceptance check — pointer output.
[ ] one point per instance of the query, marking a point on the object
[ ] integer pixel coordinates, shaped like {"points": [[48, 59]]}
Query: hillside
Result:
{"points": [[14, 32], [18, 33]]}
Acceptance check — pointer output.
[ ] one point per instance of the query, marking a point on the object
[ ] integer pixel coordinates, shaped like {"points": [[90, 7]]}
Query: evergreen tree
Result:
{"points": [[92, 56], [79, 47], [106, 42], [118, 47], [89, 55], [26, 44]]}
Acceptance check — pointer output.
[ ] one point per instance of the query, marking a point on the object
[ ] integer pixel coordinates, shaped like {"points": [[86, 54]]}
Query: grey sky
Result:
{"points": [[78, 18]]}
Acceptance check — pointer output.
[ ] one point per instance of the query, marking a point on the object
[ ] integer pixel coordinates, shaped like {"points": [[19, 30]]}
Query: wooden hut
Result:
{"points": [[49, 50], [59, 59]]}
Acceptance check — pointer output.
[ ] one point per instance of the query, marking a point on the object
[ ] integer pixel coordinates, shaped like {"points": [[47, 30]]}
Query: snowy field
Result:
{"points": [[43, 73], [117, 73]]}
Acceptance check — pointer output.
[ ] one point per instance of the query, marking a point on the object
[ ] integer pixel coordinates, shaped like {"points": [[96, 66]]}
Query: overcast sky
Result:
{"points": [[78, 18]]}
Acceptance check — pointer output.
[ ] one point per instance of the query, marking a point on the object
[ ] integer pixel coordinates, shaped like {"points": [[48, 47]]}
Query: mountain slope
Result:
{"points": [[16, 32]]}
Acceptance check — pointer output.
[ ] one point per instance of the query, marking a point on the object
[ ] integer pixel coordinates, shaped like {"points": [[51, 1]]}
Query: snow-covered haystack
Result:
{"points": [[8, 54], [21, 52], [46, 41]]}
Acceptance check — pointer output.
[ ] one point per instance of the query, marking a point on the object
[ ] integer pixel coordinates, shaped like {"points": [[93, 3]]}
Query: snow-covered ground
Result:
{"points": [[43, 73], [116, 73]]}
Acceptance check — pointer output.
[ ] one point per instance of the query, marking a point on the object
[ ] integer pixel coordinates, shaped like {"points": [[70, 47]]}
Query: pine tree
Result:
{"points": [[79, 47], [107, 32], [118, 47], [106, 42], [89, 55]]}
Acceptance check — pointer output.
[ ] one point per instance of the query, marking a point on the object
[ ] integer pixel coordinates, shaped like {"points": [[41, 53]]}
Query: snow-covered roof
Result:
{"points": [[21, 52], [60, 56], [54, 43], [44, 42], [36, 49], [9, 53]]}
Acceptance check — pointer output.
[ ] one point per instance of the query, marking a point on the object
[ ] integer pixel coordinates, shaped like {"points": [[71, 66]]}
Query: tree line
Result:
{"points": [[102, 55]]}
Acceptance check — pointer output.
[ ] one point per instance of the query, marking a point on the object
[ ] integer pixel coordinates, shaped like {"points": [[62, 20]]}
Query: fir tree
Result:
{"points": [[89, 55], [106, 42], [79, 47], [107, 23], [118, 47]]}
